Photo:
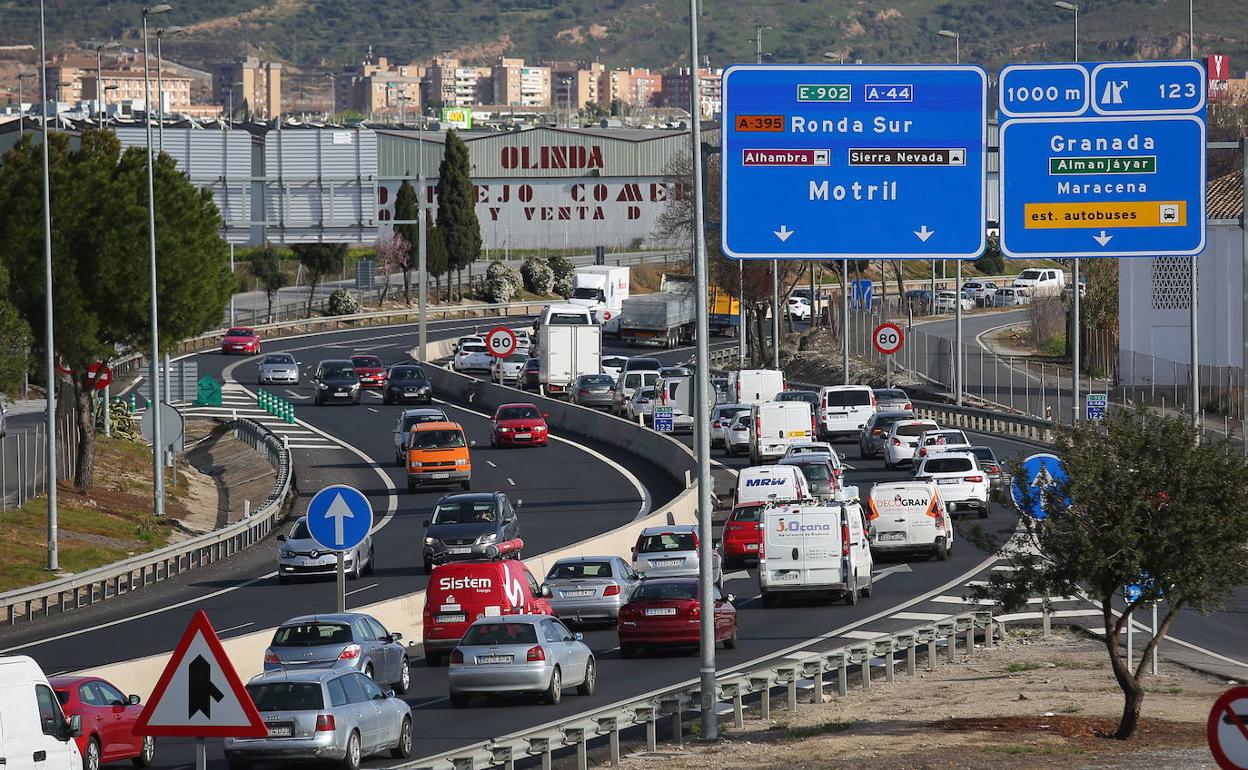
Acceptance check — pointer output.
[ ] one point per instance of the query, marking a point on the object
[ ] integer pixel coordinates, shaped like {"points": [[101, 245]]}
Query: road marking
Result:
{"points": [[234, 628], [364, 588], [943, 599], [738, 575], [372, 409], [490, 463], [923, 616], [509, 481], [433, 702]]}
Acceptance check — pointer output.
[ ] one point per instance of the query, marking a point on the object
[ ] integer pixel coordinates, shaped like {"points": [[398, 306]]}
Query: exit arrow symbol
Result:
{"points": [[924, 233], [783, 233], [1102, 239], [339, 510]]}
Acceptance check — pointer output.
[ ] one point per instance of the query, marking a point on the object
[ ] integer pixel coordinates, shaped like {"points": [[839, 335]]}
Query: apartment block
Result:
{"points": [[175, 91], [518, 85], [256, 87], [377, 85], [676, 90]]}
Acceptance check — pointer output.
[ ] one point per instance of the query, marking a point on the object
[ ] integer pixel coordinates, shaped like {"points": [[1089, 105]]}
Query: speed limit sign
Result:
{"points": [[500, 341], [888, 338]]}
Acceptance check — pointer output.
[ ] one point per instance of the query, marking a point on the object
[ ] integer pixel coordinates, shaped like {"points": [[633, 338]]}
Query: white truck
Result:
{"points": [[815, 549], [567, 352], [602, 289]]}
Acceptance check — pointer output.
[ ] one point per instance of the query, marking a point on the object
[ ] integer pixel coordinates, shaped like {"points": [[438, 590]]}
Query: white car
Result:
{"points": [[947, 302], [737, 437], [472, 356], [507, 369], [459, 343], [612, 365], [799, 307], [721, 417], [979, 291], [523, 340], [940, 441], [962, 483], [641, 405], [1007, 297], [819, 449], [903, 439]]}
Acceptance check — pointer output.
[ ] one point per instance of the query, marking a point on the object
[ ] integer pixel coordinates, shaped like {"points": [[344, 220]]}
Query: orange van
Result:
{"points": [[437, 456]]}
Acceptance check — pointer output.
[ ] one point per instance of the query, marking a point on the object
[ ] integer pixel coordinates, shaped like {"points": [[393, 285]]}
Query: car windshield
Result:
{"points": [[747, 513], [580, 569], [416, 419], [287, 696], [312, 634], [437, 439], [597, 381], [366, 362], [464, 512], [338, 372], [1029, 275], [849, 398], [809, 397], [948, 465], [518, 413], [652, 590], [667, 541], [517, 358], [984, 455], [892, 394], [472, 347], [240, 333], [815, 471], [500, 633], [731, 412], [946, 437], [913, 429], [407, 373], [883, 422], [742, 423], [279, 358], [643, 364], [569, 319], [300, 532], [807, 449]]}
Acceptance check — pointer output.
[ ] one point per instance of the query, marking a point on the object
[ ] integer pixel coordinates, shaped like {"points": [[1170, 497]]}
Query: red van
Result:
{"points": [[461, 592]]}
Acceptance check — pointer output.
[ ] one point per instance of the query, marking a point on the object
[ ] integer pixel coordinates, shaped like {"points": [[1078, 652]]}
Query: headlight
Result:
{"points": [[423, 389], [490, 538], [431, 541], [415, 463], [322, 386], [461, 461], [504, 429], [355, 386], [287, 553], [539, 428]]}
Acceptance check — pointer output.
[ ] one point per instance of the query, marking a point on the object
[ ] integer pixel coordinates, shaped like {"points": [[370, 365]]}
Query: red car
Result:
{"points": [[241, 339], [742, 534], [665, 613], [519, 425], [370, 370], [108, 719]]}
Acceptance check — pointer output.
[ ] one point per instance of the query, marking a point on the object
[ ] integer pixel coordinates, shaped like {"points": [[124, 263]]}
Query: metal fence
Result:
{"points": [[24, 461]]}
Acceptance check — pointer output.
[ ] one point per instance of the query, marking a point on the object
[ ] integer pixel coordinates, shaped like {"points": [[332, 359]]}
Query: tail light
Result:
{"points": [[583, 391], [612, 589], [909, 407], [994, 468], [715, 424], [536, 653], [695, 611], [845, 539], [350, 652], [271, 657], [876, 431], [896, 442], [940, 518], [758, 426], [325, 723], [813, 430], [974, 479], [457, 656]]}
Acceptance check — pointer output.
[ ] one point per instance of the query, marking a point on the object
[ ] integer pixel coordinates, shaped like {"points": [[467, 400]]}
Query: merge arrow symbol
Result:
{"points": [[924, 233], [200, 691], [1103, 238], [783, 233]]}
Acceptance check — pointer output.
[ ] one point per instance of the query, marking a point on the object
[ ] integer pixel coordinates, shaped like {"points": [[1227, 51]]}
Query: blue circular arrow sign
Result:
{"points": [[1043, 476], [339, 517]]}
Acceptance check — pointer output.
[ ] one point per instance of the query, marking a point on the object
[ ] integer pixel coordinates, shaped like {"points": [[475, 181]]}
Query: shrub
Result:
{"points": [[501, 283], [538, 277], [343, 302], [563, 268], [991, 263]]}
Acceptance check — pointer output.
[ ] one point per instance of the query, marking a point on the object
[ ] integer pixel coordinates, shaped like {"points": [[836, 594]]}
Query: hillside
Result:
{"points": [[319, 34]]}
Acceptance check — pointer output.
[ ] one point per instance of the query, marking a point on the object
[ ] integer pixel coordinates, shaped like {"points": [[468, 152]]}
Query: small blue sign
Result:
{"points": [[664, 422], [1103, 160], [1096, 406], [854, 161], [862, 293], [1043, 476], [339, 517]]}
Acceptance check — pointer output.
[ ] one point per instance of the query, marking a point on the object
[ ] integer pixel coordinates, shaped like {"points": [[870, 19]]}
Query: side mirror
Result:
{"points": [[578, 636], [73, 728], [135, 700], [426, 523], [387, 694], [731, 598], [281, 538], [546, 591], [396, 636]]}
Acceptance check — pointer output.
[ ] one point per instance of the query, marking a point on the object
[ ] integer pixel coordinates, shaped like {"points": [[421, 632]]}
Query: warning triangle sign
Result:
{"points": [[199, 694]]}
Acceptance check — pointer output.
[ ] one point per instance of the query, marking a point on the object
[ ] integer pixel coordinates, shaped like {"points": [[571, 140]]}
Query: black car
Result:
{"points": [[530, 377], [336, 382], [472, 525], [407, 384], [818, 472]]}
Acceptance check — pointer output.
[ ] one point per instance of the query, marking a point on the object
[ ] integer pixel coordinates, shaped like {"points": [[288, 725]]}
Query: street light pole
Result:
{"points": [[158, 471], [775, 263], [422, 263], [49, 341], [1075, 327], [100, 91], [1195, 277]]}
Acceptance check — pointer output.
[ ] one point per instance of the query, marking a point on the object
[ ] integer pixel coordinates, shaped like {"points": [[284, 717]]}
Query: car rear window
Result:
{"points": [[569, 319], [287, 696], [914, 429], [887, 421], [946, 437], [597, 380], [517, 358], [661, 590], [798, 395], [891, 394], [984, 454], [416, 419], [437, 439], [849, 398], [472, 347], [580, 569], [372, 362], [948, 465], [815, 471], [312, 634], [666, 541], [645, 392], [747, 513], [500, 633], [518, 413]]}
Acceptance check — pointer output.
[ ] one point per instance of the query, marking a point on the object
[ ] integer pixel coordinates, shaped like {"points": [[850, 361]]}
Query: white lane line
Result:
{"points": [[923, 616], [326, 447], [959, 600], [364, 588], [511, 482], [434, 702], [234, 628], [372, 409], [490, 463]]}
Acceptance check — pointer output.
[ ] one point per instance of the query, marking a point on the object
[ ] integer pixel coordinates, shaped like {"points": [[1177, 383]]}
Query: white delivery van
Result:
{"points": [[754, 386], [777, 424], [909, 517], [34, 732], [602, 289], [1041, 282], [771, 483], [815, 549], [844, 410]]}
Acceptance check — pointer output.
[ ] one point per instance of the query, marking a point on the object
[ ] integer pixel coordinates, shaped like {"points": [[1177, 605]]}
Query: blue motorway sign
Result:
{"points": [[1095, 406], [339, 517], [854, 161], [664, 421], [862, 293], [1043, 476], [1102, 160]]}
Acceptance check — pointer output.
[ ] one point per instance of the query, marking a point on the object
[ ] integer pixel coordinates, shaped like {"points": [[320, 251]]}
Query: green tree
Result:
{"points": [[1148, 506], [436, 261], [100, 257], [266, 266], [457, 212], [406, 214], [320, 260], [991, 262], [15, 341]]}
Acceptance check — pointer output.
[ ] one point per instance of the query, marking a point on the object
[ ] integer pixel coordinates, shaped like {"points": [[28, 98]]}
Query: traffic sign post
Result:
{"points": [[664, 422], [1095, 406], [1043, 476], [859, 161], [339, 518], [888, 339], [500, 341], [1227, 729]]}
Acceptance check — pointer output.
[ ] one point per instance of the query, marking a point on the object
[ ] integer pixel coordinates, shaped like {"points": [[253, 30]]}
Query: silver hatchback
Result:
{"points": [[671, 552], [590, 588], [317, 715], [520, 654], [346, 641], [298, 555], [278, 368], [596, 391]]}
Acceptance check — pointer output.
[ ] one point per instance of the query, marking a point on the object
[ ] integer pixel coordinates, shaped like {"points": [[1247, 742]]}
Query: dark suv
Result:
{"points": [[473, 525], [336, 381]]}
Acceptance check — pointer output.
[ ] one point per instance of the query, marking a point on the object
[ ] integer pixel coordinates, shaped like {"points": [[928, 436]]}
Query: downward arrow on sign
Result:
{"points": [[783, 233], [924, 233], [1102, 239]]}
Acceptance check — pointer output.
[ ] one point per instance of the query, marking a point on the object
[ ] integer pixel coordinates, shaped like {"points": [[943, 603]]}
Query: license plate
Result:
{"points": [[835, 416], [667, 563], [660, 611], [459, 550], [453, 617], [341, 395], [281, 731], [439, 475], [751, 547], [494, 658], [524, 435], [891, 536], [576, 594], [947, 481], [784, 576]]}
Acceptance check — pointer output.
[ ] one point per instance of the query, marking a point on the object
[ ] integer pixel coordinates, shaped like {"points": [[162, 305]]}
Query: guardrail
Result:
{"points": [[812, 671], [86, 588]]}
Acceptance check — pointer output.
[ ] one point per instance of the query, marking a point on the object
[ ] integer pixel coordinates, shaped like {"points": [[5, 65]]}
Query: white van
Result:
{"points": [[815, 549], [909, 516], [777, 424], [844, 409], [754, 386], [34, 732], [1041, 282], [771, 483]]}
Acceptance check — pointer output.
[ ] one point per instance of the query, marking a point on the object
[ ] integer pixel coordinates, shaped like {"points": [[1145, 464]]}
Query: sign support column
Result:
{"points": [[775, 314], [342, 582], [845, 319], [1074, 345], [958, 373]]}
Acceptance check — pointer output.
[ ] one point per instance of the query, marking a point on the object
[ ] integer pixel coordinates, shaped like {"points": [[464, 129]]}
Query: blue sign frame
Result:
{"points": [[666, 422], [854, 161], [1103, 159], [1034, 467], [339, 517]]}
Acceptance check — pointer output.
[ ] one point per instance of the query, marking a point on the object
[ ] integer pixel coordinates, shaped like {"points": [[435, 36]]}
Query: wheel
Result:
{"points": [[731, 642], [851, 596], [405, 677], [983, 512], [591, 678], [888, 466], [866, 591], [403, 749], [385, 400], [368, 672], [554, 691], [628, 651], [459, 700], [942, 549], [351, 761], [354, 574], [398, 461], [411, 486], [467, 485], [91, 757]]}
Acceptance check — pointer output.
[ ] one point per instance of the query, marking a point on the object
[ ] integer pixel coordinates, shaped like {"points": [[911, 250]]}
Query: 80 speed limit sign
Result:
{"points": [[888, 338], [500, 341]]}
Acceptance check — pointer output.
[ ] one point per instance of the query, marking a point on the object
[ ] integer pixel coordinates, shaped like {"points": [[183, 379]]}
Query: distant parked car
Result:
{"points": [[278, 368], [948, 302], [979, 292], [1009, 297], [347, 641], [241, 339]]}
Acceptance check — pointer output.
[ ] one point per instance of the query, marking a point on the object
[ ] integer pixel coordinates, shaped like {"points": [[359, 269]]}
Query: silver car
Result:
{"points": [[278, 369], [721, 417], [315, 715], [299, 555], [507, 369], [641, 405], [671, 552], [627, 384], [348, 641], [588, 588], [892, 400], [737, 435], [408, 418], [594, 390], [520, 654]]}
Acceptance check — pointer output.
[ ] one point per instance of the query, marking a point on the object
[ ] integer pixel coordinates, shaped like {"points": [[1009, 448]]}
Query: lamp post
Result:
{"points": [[422, 261], [957, 44], [1195, 286], [160, 89], [21, 110], [957, 264], [1074, 266], [158, 473], [333, 95], [100, 48], [104, 103], [49, 342]]}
